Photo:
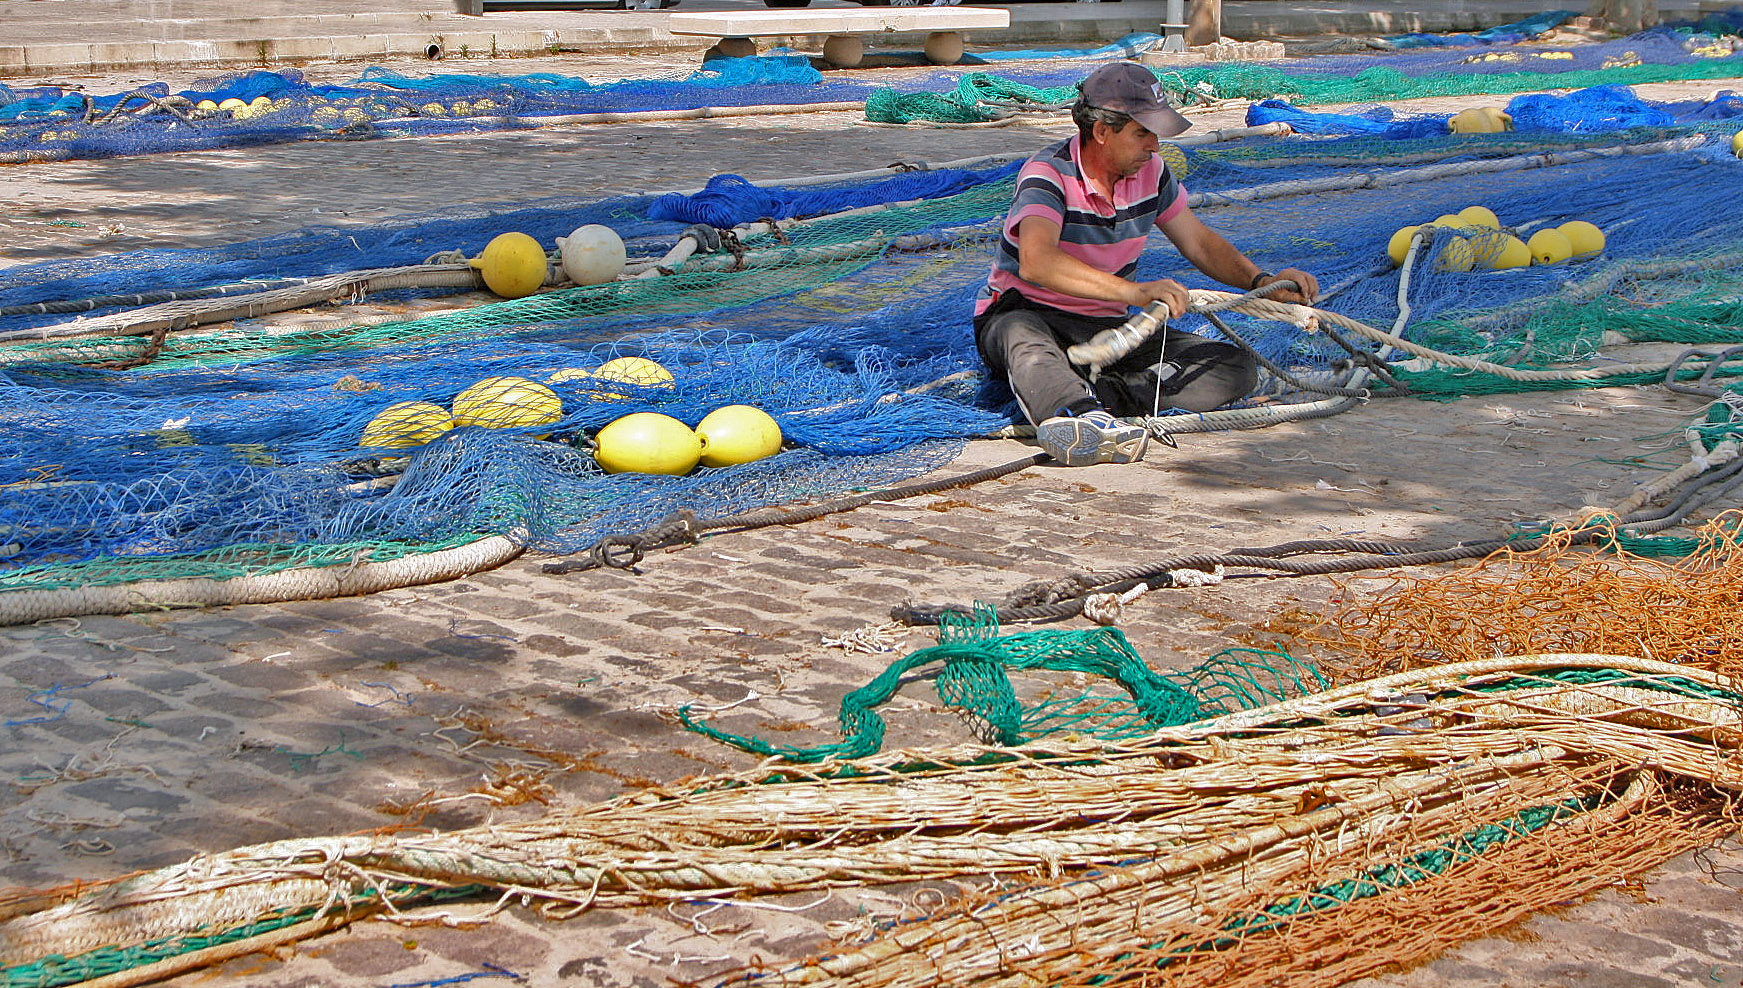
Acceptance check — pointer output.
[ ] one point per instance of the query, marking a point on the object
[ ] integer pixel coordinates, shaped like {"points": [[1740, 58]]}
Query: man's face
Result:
{"points": [[1130, 148]]}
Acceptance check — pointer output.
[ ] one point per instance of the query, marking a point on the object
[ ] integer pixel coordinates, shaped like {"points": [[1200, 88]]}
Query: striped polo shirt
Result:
{"points": [[1105, 235]]}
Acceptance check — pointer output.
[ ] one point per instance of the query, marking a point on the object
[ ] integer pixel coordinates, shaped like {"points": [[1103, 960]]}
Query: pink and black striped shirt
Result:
{"points": [[1105, 235]]}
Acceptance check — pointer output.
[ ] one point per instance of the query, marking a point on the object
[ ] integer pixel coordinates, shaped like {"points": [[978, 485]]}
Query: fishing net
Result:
{"points": [[1556, 598], [971, 667], [173, 430], [253, 108], [1502, 34], [1188, 851], [1658, 55]]}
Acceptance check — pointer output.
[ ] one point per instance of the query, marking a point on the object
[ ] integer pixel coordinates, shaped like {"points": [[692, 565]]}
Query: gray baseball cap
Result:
{"points": [[1131, 89]]}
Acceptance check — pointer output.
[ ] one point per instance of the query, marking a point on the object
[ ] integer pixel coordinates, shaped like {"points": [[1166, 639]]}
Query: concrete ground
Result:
{"points": [[186, 731]]}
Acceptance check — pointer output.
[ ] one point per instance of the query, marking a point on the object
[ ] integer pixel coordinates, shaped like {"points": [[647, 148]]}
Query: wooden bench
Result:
{"points": [[842, 47]]}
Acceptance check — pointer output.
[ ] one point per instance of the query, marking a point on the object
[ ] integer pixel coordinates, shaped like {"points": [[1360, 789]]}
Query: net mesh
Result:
{"points": [[971, 667], [1556, 598], [1194, 853], [157, 449]]}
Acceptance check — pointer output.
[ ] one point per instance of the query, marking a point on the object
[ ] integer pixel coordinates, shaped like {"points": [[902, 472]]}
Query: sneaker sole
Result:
{"points": [[1080, 444]]}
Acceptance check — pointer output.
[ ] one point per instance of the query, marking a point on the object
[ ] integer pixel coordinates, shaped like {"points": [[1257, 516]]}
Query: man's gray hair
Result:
{"points": [[1086, 117]]}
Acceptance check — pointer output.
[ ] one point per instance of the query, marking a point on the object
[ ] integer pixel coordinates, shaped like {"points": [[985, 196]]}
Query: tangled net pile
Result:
{"points": [[1552, 599], [1270, 842]]}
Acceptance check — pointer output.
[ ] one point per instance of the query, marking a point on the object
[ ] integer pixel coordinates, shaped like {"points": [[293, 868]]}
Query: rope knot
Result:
{"points": [[1108, 608]]}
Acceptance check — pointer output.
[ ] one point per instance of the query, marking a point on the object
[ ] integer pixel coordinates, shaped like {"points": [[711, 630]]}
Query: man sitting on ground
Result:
{"points": [[1083, 211]]}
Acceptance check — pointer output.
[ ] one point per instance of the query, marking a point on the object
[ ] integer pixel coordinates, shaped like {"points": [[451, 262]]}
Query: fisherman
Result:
{"points": [[1070, 245]]}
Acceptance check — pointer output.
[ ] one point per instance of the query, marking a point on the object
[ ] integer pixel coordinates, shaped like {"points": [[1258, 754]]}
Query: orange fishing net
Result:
{"points": [[1558, 598]]}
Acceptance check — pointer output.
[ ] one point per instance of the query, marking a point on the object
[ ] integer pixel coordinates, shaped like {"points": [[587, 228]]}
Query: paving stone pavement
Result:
{"points": [[135, 742]]}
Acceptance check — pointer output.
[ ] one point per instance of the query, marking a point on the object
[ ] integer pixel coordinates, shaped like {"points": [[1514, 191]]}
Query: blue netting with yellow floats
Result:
{"points": [[145, 437]]}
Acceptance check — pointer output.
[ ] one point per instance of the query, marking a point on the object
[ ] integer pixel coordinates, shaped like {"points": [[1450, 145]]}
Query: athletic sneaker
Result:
{"points": [[1093, 437]]}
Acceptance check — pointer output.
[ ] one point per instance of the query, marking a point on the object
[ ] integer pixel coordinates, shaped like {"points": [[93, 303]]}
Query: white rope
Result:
{"points": [[1108, 608], [1386, 178], [199, 312], [309, 583]]}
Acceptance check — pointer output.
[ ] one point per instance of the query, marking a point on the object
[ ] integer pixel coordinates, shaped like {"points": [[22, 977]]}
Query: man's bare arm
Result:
{"points": [[1043, 262]]}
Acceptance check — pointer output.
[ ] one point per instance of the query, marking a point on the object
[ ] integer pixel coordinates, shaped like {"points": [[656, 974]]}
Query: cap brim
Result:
{"points": [[1163, 121]]}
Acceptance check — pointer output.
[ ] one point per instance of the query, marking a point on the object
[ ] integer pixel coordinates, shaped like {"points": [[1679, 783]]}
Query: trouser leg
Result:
{"points": [[1020, 346], [1186, 372], [1213, 374]]}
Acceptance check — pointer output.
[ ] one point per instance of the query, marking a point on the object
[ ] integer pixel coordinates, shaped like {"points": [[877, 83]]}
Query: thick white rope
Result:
{"points": [[199, 312], [308, 583]]}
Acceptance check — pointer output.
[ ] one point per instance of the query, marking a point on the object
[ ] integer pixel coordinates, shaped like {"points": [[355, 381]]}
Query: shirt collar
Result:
{"points": [[1090, 194]]}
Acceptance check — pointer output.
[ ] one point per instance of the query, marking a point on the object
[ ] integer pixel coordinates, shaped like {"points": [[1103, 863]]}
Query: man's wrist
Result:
{"points": [[1261, 276]]}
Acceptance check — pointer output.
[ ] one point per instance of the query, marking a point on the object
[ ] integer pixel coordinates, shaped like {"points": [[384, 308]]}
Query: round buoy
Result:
{"points": [[1399, 245], [737, 434], [1585, 238], [647, 442], [1479, 216], [1178, 164], [1549, 247], [1737, 144], [507, 403], [513, 265], [406, 423], [569, 374], [231, 104], [1502, 251], [632, 370], [592, 255]]}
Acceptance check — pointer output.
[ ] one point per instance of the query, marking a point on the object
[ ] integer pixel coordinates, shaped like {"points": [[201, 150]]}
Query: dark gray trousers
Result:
{"points": [[1024, 343]]}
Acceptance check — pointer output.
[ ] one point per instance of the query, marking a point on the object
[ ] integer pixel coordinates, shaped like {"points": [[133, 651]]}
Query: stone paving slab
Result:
{"points": [[134, 742]]}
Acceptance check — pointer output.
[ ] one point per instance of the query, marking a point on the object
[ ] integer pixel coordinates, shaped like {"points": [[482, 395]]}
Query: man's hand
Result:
{"points": [[1171, 292], [1307, 294]]}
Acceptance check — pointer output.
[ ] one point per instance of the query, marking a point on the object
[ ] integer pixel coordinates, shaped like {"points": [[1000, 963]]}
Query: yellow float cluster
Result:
{"points": [[346, 111], [648, 442], [643, 442], [1479, 241], [494, 403], [637, 371], [236, 109]]}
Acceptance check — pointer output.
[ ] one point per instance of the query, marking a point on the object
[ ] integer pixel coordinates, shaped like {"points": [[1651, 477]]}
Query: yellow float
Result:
{"points": [[737, 434], [638, 371], [513, 265], [507, 403], [1399, 245], [1549, 247], [406, 423], [647, 442], [1585, 238], [1479, 216]]}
